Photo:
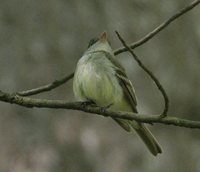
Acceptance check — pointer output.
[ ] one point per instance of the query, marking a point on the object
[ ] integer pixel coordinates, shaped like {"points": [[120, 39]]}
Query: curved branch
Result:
{"points": [[59, 104], [47, 87], [160, 87], [163, 25]]}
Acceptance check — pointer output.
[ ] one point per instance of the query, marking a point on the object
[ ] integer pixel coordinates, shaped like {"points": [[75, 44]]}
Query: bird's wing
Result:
{"points": [[124, 82], [128, 90]]}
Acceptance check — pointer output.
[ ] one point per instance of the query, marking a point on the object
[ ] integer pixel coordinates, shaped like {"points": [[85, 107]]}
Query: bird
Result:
{"points": [[100, 79]]}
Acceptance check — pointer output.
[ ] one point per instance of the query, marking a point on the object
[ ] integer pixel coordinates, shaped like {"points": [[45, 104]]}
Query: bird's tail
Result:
{"points": [[144, 134], [149, 140]]}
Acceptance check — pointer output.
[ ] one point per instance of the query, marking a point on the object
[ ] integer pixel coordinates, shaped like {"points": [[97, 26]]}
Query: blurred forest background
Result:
{"points": [[41, 41]]}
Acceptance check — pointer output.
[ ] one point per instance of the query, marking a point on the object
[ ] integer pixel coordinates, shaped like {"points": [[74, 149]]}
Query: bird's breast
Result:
{"points": [[96, 81]]}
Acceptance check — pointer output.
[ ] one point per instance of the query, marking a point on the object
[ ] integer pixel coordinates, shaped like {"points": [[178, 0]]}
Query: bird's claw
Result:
{"points": [[87, 103], [162, 115], [103, 109]]}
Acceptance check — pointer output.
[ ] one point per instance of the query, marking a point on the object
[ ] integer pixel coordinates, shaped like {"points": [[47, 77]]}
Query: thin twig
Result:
{"points": [[59, 104], [163, 25], [47, 87], [160, 87]]}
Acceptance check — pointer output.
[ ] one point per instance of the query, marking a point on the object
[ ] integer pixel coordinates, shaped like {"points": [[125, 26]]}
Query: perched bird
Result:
{"points": [[99, 78]]}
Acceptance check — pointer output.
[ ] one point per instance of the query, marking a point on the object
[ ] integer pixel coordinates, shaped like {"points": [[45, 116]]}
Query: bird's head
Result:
{"points": [[100, 44]]}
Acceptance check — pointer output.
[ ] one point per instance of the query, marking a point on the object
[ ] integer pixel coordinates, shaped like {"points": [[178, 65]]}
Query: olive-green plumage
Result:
{"points": [[101, 79]]}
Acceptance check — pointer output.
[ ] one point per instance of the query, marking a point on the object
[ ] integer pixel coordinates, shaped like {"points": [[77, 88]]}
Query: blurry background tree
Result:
{"points": [[41, 41]]}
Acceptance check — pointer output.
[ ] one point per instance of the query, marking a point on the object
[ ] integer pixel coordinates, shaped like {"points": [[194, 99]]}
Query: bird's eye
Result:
{"points": [[93, 41]]}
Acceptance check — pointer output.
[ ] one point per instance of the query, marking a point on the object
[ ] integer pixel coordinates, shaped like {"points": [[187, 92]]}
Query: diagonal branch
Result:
{"points": [[160, 87], [162, 26], [59, 104], [47, 87]]}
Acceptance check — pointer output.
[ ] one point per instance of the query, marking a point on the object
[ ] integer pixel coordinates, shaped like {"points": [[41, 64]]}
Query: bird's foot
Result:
{"points": [[103, 109], [88, 103], [162, 115]]}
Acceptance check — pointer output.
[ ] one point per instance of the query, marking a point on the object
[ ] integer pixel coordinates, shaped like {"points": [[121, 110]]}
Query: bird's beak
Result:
{"points": [[103, 37]]}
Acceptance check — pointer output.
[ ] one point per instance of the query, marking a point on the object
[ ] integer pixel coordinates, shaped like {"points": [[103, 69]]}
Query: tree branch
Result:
{"points": [[162, 26], [59, 104], [153, 77], [47, 87]]}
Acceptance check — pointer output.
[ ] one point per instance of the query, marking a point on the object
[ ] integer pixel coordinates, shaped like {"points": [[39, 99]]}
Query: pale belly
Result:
{"points": [[100, 86]]}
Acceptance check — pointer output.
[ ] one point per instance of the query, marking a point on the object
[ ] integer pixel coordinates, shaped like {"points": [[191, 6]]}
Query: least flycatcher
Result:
{"points": [[101, 79]]}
